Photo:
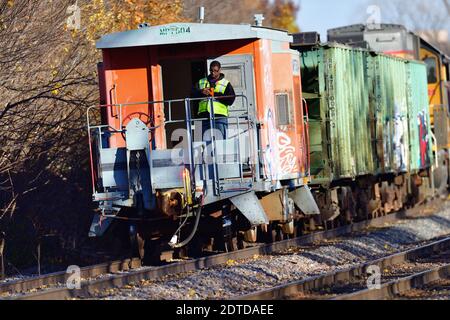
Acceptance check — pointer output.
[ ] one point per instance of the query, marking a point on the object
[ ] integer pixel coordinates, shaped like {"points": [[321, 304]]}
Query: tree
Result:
{"points": [[278, 14], [228, 11], [284, 15], [46, 84], [48, 80], [103, 16]]}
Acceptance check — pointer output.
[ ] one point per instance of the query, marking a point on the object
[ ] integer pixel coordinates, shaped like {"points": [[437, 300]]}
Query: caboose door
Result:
{"points": [[238, 70], [241, 135]]}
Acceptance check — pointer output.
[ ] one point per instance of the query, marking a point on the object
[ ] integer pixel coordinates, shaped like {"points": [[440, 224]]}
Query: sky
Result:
{"points": [[320, 15]]}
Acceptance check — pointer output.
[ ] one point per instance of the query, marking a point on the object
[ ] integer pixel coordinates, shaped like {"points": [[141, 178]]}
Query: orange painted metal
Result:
{"points": [[126, 81], [289, 136], [283, 146], [157, 110]]}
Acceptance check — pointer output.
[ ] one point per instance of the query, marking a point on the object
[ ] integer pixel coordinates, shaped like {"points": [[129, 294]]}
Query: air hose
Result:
{"points": [[173, 242]]}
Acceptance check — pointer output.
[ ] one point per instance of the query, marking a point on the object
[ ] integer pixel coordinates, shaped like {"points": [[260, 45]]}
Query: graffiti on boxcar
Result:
{"points": [[399, 147], [288, 159], [386, 130], [423, 139]]}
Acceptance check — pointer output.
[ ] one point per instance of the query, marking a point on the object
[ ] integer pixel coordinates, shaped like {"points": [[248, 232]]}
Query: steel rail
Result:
{"points": [[355, 272], [398, 286], [88, 288], [55, 278]]}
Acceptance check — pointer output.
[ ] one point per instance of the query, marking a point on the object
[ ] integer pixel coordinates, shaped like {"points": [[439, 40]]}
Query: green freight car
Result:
{"points": [[336, 89], [370, 139]]}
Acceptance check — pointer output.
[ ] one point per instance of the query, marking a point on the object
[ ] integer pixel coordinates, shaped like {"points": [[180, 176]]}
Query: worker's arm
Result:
{"points": [[229, 91], [200, 93]]}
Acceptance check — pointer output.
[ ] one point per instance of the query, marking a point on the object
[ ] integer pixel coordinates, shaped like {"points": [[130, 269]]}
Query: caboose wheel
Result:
{"points": [[240, 241], [195, 247], [279, 234], [137, 246], [299, 227], [267, 233], [152, 252]]}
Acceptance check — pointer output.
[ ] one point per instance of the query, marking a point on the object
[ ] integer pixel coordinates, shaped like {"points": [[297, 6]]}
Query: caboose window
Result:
{"points": [[431, 69], [282, 105], [234, 75]]}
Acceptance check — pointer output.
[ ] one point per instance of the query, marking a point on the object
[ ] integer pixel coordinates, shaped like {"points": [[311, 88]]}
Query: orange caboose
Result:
{"points": [[148, 153]]}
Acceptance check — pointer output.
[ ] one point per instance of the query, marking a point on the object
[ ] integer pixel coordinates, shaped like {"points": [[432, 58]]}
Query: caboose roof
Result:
{"points": [[174, 33]]}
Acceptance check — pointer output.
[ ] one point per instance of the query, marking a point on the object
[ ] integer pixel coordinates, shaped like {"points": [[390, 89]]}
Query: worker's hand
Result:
{"points": [[206, 91]]}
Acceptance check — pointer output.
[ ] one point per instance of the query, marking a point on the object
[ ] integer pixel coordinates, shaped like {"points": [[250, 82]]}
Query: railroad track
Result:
{"points": [[399, 273], [430, 269], [109, 276], [57, 278]]}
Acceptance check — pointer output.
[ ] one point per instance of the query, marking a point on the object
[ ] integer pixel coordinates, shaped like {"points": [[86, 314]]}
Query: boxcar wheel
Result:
{"points": [[230, 245]]}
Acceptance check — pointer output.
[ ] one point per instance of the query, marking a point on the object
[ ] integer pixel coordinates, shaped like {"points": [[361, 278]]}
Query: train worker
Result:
{"points": [[215, 85]]}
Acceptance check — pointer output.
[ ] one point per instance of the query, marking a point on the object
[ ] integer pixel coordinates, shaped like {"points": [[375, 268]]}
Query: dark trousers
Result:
{"points": [[220, 133]]}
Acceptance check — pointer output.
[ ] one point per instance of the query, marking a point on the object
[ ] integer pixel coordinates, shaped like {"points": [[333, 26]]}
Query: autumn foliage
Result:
{"points": [[283, 15], [278, 13], [101, 16]]}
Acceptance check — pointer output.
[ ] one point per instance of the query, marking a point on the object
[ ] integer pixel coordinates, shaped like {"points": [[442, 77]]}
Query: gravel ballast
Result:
{"points": [[260, 272]]}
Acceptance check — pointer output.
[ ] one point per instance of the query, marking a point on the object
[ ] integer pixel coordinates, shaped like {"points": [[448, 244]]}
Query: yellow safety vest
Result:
{"points": [[205, 105]]}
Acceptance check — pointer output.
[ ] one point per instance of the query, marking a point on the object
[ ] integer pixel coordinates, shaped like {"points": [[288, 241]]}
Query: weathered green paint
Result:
{"points": [[363, 110], [339, 118], [419, 116]]}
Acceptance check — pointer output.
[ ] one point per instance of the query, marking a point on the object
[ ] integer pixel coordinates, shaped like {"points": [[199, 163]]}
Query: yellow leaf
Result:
{"points": [[230, 262]]}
